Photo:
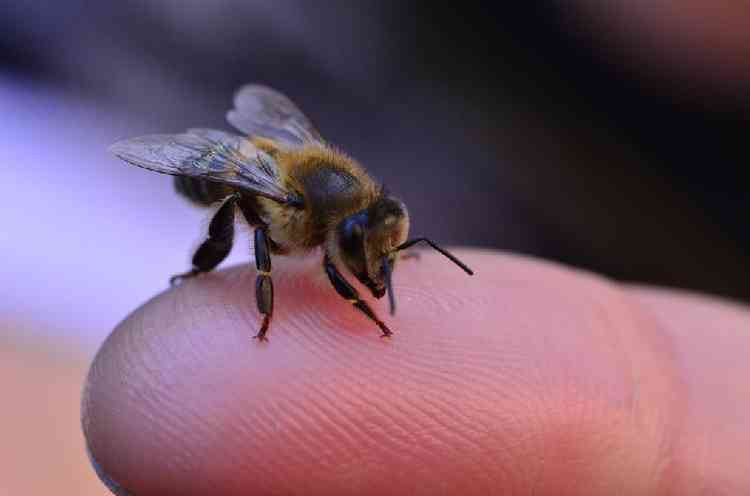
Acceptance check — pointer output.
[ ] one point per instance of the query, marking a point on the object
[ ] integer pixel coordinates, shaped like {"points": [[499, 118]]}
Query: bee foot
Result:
{"points": [[176, 280], [261, 336]]}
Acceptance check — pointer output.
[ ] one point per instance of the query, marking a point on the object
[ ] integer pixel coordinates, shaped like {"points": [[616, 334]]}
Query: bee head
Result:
{"points": [[367, 241]]}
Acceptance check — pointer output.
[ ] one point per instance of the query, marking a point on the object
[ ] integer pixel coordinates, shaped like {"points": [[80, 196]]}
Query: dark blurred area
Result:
{"points": [[537, 127]]}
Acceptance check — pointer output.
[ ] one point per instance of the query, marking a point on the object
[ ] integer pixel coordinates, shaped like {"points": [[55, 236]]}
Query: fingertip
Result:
{"points": [[110, 484], [181, 389]]}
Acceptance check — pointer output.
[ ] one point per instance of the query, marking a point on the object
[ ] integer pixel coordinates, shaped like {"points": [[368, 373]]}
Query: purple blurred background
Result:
{"points": [[542, 129]]}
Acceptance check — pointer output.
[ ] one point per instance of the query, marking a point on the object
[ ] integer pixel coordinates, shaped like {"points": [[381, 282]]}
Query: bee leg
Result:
{"points": [[218, 244], [263, 283], [177, 279], [346, 291]]}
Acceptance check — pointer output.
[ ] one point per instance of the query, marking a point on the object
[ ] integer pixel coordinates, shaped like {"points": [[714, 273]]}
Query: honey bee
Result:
{"points": [[296, 190]]}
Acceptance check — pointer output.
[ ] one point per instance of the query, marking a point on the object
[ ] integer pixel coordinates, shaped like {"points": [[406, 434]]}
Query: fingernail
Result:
{"points": [[111, 485]]}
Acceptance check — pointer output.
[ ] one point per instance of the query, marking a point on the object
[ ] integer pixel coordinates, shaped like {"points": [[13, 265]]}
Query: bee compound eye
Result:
{"points": [[351, 230]]}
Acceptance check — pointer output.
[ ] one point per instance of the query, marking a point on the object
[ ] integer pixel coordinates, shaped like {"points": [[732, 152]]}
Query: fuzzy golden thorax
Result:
{"points": [[330, 184]]}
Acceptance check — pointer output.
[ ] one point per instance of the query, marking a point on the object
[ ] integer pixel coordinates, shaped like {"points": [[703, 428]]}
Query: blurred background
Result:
{"points": [[611, 138]]}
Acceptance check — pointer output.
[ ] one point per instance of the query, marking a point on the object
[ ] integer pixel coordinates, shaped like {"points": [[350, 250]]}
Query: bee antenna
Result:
{"points": [[387, 271], [445, 253]]}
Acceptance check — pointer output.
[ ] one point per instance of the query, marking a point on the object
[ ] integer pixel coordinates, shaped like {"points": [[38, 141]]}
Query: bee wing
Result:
{"points": [[208, 154], [262, 111]]}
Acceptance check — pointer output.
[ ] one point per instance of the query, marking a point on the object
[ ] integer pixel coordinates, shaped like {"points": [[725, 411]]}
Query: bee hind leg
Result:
{"points": [[263, 283], [177, 279], [346, 291], [218, 244]]}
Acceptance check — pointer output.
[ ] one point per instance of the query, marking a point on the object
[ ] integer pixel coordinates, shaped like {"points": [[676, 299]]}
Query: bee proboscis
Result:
{"points": [[297, 191]]}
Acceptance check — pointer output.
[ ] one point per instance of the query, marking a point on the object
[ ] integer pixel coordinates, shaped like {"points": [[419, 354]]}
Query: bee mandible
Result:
{"points": [[296, 190]]}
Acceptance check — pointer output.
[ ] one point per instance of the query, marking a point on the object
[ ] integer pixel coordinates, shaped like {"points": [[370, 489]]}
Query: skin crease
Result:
{"points": [[528, 378]]}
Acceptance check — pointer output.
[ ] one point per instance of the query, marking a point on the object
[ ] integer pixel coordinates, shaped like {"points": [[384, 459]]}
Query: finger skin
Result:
{"points": [[711, 343], [528, 378]]}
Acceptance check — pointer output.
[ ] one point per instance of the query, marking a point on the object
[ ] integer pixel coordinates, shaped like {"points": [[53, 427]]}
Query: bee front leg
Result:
{"points": [[346, 291], [263, 283], [218, 244]]}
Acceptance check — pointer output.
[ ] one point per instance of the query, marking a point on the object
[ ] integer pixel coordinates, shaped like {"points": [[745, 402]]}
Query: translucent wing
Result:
{"points": [[207, 154], [262, 111]]}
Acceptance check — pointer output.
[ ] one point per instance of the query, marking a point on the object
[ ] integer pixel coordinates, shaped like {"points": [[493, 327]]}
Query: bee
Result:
{"points": [[293, 188]]}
